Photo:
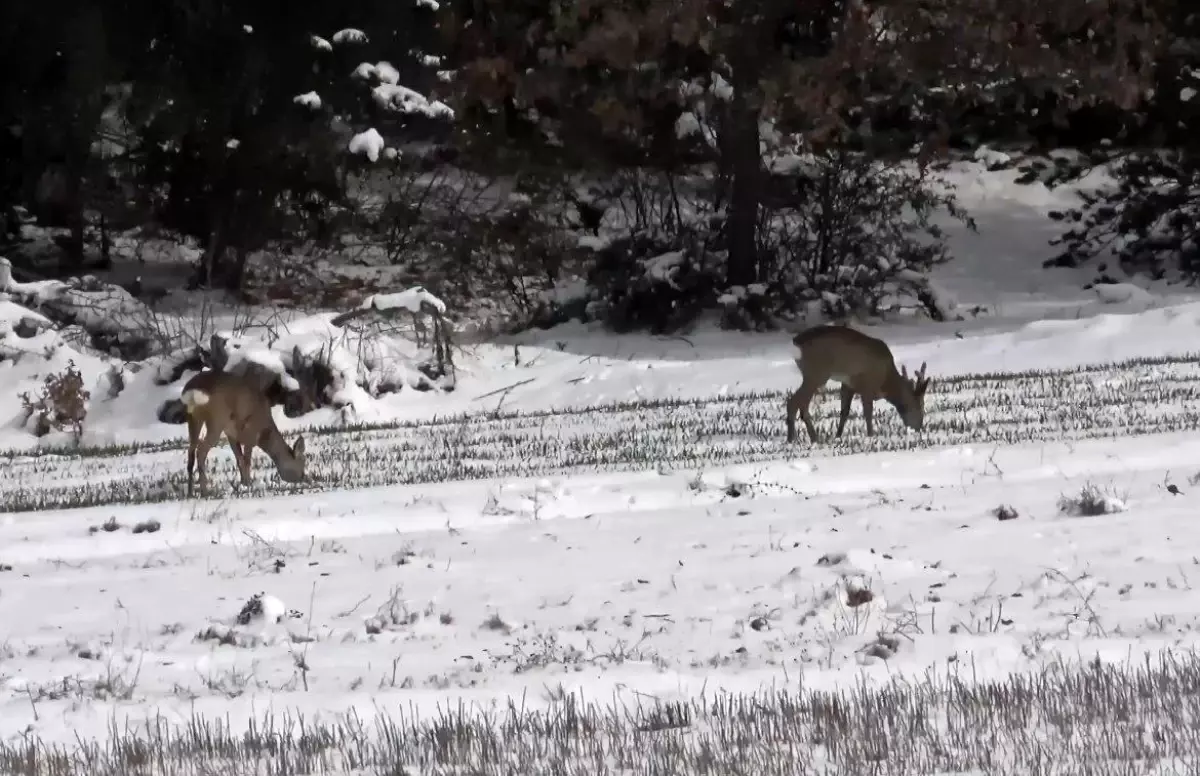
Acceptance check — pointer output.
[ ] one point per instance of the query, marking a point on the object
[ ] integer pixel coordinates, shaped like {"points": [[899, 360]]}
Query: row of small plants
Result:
{"points": [[1174, 369], [1130, 399]]}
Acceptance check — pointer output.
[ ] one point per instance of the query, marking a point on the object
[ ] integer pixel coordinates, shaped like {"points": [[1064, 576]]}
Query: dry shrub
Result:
{"points": [[61, 404]]}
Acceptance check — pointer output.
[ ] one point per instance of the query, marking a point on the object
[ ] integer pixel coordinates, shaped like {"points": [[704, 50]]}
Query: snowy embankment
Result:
{"points": [[571, 367]]}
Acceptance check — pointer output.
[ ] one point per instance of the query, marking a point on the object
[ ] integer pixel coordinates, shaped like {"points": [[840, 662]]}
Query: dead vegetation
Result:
{"points": [[1084, 719], [61, 404]]}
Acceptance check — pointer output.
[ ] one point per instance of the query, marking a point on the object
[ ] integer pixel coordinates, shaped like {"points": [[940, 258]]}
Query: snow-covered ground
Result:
{"points": [[622, 520]]}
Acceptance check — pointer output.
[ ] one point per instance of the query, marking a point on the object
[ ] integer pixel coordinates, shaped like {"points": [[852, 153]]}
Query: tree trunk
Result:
{"points": [[745, 197], [235, 272], [87, 63], [71, 259], [209, 271]]}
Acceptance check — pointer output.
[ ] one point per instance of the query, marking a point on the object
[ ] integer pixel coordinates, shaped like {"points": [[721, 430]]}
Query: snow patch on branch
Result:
{"points": [[368, 143], [310, 100], [401, 99], [413, 299], [349, 35]]}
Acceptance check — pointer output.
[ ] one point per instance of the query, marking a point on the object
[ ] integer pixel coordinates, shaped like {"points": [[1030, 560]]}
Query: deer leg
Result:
{"points": [[868, 407], [847, 399], [194, 427], [211, 435], [797, 403], [800, 402], [239, 456], [244, 464]]}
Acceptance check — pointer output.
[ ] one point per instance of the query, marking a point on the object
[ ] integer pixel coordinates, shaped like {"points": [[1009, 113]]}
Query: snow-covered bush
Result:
{"points": [[1090, 501], [1146, 215], [110, 319], [1148, 218], [842, 232], [644, 253], [343, 362], [656, 285], [853, 233]]}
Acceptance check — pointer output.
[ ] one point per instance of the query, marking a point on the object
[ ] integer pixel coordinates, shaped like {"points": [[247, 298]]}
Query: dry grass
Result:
{"points": [[1145, 397], [1093, 719]]}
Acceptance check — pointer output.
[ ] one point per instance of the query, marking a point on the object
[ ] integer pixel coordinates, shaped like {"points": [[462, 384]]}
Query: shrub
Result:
{"points": [[1090, 501], [1148, 219], [61, 404], [854, 233]]}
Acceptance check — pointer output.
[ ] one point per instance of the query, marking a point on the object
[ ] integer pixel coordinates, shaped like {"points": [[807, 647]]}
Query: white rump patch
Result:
{"points": [[194, 398]]}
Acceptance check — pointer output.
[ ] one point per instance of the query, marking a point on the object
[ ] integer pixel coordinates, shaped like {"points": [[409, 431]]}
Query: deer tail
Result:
{"points": [[194, 398]]}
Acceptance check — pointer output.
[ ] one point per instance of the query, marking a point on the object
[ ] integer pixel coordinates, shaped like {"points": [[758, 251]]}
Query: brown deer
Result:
{"points": [[864, 366], [219, 402]]}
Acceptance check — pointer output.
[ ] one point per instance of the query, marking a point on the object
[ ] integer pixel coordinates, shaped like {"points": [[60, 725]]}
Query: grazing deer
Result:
{"points": [[218, 402], [864, 366]]}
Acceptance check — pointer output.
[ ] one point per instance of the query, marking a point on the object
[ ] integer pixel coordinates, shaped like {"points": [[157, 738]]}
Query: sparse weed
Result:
{"points": [[60, 406], [1005, 512], [495, 623], [1090, 501]]}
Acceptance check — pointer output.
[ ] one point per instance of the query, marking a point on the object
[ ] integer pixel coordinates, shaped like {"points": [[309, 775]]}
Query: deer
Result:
{"points": [[864, 366], [223, 403]]}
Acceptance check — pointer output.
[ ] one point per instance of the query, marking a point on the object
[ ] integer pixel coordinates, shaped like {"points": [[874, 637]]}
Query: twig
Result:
{"points": [[504, 390]]}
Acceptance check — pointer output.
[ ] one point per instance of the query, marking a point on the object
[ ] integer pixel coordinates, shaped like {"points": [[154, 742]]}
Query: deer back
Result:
{"points": [[232, 402], [847, 356]]}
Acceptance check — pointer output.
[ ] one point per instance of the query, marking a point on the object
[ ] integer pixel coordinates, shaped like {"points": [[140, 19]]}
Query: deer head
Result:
{"points": [[296, 473], [912, 407], [289, 461]]}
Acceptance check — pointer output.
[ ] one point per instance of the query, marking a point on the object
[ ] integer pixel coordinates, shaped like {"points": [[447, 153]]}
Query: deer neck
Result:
{"points": [[896, 391], [278, 450]]}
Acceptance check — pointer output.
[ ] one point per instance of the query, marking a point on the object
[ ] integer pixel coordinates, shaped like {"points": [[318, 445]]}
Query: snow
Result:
{"points": [[401, 99], [686, 125], [321, 43], [991, 156], [387, 73], [252, 352], [643, 506], [664, 268], [369, 143], [309, 100], [577, 566], [1121, 293], [349, 35], [411, 299]]}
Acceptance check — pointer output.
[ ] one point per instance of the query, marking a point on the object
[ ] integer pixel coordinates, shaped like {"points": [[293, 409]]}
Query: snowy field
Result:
{"points": [[597, 555]]}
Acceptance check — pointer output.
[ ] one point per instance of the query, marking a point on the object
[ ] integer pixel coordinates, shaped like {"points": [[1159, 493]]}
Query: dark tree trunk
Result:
{"points": [[209, 272], [745, 167], [72, 254]]}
